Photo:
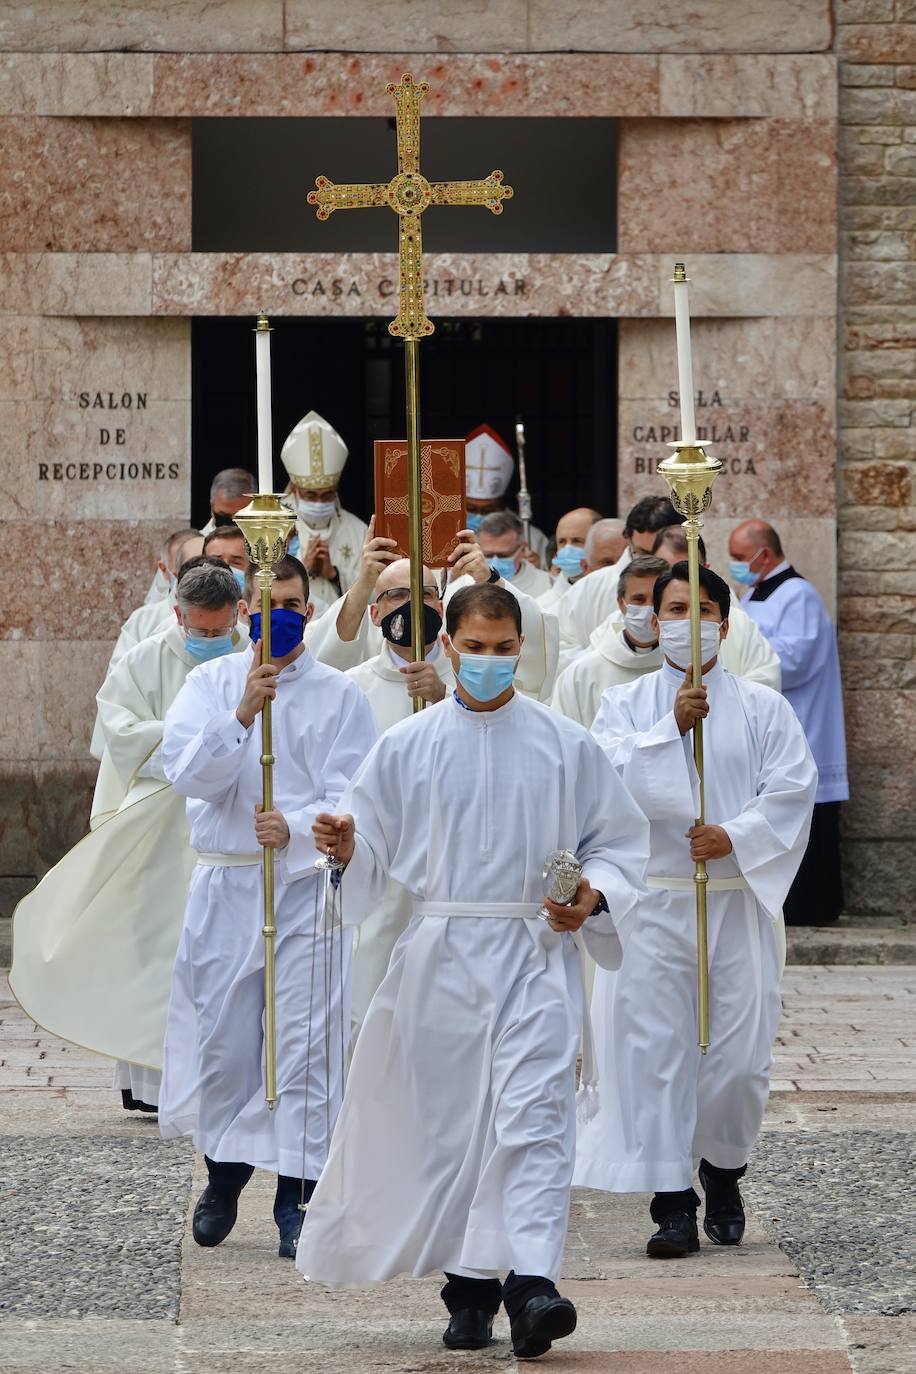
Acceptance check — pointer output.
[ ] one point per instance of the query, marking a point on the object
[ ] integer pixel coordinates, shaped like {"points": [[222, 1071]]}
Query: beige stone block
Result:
{"points": [[110, 84], [880, 43], [877, 106], [778, 284], [19, 720], [855, 74], [98, 185], [155, 25], [877, 246], [726, 86], [411, 25], [75, 283], [661, 26], [864, 11], [667, 173], [71, 674]]}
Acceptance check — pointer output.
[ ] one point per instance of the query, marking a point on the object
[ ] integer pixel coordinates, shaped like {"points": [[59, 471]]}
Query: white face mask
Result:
{"points": [[674, 637], [316, 512], [637, 621]]}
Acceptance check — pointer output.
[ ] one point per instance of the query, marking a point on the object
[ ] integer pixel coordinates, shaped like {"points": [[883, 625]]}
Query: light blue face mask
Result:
{"points": [[569, 560], [239, 577], [205, 649], [475, 519], [486, 676], [741, 572], [504, 566]]}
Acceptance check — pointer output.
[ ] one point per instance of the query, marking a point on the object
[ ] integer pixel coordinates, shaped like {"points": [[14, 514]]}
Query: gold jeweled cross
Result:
{"points": [[409, 194]]}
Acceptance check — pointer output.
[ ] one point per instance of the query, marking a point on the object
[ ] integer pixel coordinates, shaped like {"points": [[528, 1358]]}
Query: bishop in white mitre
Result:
{"points": [[328, 539], [489, 470], [96, 939], [212, 1082], [454, 1147], [665, 1109]]}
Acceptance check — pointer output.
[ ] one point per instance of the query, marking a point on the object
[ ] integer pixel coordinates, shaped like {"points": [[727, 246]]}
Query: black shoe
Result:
{"points": [[541, 1321], [289, 1237], [469, 1329], [724, 1219], [133, 1104], [676, 1236], [214, 1216]]}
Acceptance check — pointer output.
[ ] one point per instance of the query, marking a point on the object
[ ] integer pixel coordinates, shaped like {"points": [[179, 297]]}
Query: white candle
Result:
{"points": [[265, 441], [684, 359]]}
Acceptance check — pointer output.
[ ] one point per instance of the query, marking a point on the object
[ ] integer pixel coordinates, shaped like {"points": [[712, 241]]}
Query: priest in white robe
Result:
{"points": [[96, 939], [795, 620], [212, 1086], [502, 539], [664, 1108], [569, 561], [454, 1148], [328, 539], [167, 564]]}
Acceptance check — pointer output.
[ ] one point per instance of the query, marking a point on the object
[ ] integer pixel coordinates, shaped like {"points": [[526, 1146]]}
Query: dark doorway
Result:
{"points": [[559, 375]]}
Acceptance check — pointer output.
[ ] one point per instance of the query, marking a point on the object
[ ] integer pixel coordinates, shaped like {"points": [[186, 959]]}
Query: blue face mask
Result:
{"points": [[293, 546], [504, 566], [741, 572], [569, 560], [475, 519], [286, 629], [205, 649], [239, 577], [486, 676]]}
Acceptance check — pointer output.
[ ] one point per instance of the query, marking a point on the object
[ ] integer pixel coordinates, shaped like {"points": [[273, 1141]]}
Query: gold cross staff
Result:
{"points": [[409, 194]]}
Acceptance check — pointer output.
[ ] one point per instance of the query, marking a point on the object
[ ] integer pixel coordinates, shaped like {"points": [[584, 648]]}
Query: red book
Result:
{"points": [[444, 502]]}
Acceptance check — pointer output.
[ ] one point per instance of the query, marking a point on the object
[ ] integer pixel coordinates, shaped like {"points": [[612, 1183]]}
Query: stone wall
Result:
{"points": [[876, 45]]}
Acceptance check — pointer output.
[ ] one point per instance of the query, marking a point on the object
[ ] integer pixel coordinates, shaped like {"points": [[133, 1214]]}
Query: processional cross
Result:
{"points": [[408, 194]]}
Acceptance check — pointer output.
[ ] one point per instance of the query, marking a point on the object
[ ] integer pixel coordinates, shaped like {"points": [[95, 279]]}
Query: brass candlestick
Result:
{"points": [[690, 473], [266, 524]]}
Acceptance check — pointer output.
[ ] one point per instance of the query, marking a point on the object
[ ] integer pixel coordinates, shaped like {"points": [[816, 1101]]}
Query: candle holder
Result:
{"points": [[266, 524]]}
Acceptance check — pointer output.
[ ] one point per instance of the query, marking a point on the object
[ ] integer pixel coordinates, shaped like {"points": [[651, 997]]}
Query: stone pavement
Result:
{"points": [[98, 1271]]}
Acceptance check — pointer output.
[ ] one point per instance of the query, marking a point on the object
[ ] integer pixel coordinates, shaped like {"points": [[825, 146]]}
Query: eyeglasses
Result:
{"points": [[191, 633], [403, 594]]}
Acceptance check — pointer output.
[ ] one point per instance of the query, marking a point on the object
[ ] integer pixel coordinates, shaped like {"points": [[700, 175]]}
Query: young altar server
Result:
{"points": [[454, 1148], [212, 1084], [665, 1108]]}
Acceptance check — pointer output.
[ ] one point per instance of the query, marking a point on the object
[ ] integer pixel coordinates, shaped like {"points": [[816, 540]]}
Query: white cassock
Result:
{"points": [[159, 588], [550, 600], [610, 662], [212, 1085], [139, 625], [345, 535], [96, 939], [381, 680], [530, 580], [454, 1147], [663, 1105], [591, 601]]}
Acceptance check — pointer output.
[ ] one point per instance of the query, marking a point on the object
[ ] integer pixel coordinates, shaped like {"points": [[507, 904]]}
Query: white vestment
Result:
{"points": [[212, 1085], [96, 939], [610, 662], [663, 1106], [530, 580], [383, 683], [345, 535], [139, 625], [158, 589], [454, 1148], [590, 602], [550, 600]]}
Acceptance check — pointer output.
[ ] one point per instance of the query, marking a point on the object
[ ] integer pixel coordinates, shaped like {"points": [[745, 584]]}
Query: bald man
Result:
{"points": [[567, 564], [795, 620]]}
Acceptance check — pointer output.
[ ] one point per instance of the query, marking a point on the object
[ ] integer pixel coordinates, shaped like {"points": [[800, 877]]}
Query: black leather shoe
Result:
{"points": [[541, 1321], [289, 1237], [214, 1216], [676, 1236], [469, 1329], [724, 1219]]}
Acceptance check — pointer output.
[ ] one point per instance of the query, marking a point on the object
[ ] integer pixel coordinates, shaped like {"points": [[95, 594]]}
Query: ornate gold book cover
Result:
{"points": [[444, 505]]}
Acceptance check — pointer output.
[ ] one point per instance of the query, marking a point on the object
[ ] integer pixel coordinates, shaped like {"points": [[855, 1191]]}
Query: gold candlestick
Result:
{"points": [[690, 473], [266, 524]]}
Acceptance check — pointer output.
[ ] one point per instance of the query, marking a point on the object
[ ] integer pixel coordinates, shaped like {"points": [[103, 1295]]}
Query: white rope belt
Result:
{"points": [[229, 860], [522, 910], [687, 884]]}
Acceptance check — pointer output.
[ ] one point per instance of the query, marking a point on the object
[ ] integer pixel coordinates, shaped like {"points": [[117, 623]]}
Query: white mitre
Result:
{"points": [[489, 464], [314, 454]]}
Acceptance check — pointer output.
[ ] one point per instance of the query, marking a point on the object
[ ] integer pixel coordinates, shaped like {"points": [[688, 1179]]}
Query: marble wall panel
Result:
{"points": [[97, 424], [77, 579], [745, 284], [605, 85], [45, 812], [423, 25], [75, 283], [20, 719], [76, 84], [736, 84], [666, 26], [730, 185], [163, 25], [96, 185], [71, 673]]}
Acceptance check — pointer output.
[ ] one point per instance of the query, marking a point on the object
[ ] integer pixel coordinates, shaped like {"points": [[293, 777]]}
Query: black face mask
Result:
{"points": [[221, 518], [397, 629]]}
